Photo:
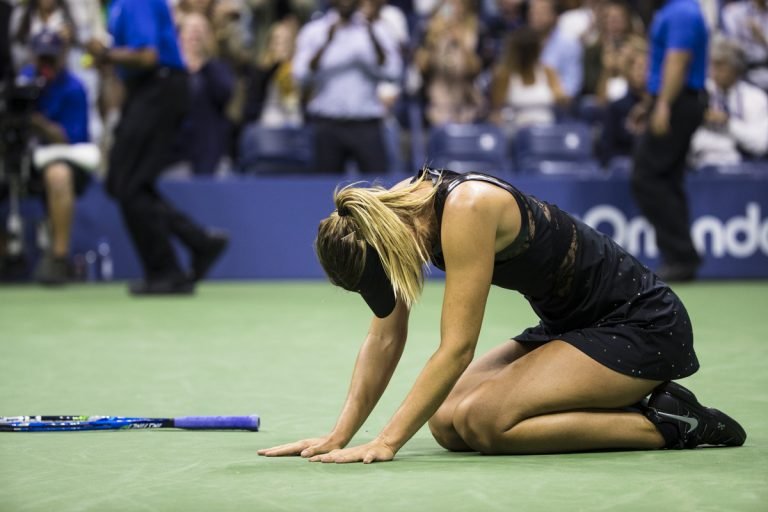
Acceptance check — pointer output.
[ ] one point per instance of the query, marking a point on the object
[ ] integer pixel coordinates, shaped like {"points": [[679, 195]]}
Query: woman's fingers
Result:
{"points": [[282, 450], [304, 448]]}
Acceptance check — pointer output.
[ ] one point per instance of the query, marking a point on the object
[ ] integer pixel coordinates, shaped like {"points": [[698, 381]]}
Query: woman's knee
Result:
{"points": [[441, 426], [477, 422], [58, 178]]}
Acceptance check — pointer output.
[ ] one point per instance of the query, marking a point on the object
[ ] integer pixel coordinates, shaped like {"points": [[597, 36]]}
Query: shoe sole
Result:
{"points": [[689, 399]]}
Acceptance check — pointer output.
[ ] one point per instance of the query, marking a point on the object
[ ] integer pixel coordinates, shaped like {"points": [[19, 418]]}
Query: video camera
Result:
{"points": [[17, 104]]}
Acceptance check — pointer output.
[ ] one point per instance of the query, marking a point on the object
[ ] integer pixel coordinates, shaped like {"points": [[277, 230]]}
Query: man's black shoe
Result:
{"points": [[203, 259], [162, 287], [673, 404]]}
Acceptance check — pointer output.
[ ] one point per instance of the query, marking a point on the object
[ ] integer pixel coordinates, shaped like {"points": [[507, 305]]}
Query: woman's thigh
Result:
{"points": [[486, 367], [557, 377]]}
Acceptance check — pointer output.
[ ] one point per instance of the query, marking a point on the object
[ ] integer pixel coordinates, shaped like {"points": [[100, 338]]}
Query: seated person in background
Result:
{"points": [[449, 64], [560, 52], [205, 134], [736, 123], [273, 96], [620, 126], [603, 57], [746, 21], [61, 117], [524, 91]]}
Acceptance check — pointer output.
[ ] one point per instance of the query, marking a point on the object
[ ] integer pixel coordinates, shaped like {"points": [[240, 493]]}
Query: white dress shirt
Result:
{"points": [[344, 85]]}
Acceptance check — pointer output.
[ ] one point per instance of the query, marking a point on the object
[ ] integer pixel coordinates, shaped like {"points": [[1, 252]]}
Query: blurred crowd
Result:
{"points": [[511, 62]]}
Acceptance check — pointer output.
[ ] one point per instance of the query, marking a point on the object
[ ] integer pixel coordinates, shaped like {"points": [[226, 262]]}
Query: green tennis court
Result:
{"points": [[285, 350]]}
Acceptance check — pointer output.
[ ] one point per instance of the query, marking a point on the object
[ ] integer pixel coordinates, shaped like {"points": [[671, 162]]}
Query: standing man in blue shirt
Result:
{"points": [[341, 58], [146, 51], [678, 71]]}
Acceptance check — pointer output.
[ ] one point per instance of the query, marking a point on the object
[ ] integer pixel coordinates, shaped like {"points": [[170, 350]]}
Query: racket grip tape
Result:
{"points": [[218, 422]]}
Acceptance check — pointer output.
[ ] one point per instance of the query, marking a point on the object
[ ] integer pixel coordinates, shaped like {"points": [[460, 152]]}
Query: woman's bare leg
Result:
{"points": [[441, 424], [545, 402]]}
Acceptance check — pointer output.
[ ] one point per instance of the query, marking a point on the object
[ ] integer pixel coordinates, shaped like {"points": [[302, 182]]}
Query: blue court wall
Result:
{"points": [[273, 220]]}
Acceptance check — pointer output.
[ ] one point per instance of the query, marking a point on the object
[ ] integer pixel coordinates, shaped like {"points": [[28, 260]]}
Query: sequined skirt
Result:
{"points": [[649, 337]]}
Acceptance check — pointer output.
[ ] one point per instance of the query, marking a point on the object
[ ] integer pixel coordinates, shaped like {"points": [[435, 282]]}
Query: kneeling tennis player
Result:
{"points": [[597, 371]]}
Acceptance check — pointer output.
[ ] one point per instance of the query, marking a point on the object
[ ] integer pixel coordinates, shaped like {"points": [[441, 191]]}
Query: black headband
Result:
{"points": [[375, 286]]}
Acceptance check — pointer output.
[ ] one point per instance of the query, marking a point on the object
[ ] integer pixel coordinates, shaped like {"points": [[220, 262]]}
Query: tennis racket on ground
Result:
{"points": [[75, 423]]}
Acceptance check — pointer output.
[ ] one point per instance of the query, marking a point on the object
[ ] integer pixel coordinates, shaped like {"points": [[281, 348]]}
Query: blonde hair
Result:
{"points": [[385, 219]]}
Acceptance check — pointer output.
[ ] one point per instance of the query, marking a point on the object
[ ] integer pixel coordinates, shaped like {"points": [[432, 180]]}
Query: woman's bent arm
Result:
{"points": [[374, 367], [376, 362], [470, 221]]}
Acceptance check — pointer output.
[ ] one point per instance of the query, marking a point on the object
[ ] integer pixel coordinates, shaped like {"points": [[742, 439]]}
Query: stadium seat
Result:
{"points": [[479, 147], [267, 150], [555, 149]]}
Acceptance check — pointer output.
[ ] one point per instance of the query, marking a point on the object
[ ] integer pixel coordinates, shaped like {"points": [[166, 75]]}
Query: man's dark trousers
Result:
{"points": [[153, 112], [658, 180]]}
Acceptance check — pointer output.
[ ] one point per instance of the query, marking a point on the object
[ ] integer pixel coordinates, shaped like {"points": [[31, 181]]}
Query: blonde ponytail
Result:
{"points": [[385, 219]]}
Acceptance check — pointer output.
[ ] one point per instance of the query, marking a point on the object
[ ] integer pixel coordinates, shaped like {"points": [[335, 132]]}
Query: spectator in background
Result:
{"points": [[620, 128], [205, 135], [61, 117], [560, 52], [524, 92], [264, 14], [510, 15], [38, 16], [449, 64], [604, 58], [340, 59], [578, 18], [274, 98], [678, 70], [746, 21], [146, 51], [736, 122]]}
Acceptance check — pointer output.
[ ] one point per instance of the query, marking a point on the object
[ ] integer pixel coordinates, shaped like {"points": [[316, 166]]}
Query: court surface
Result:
{"points": [[285, 350]]}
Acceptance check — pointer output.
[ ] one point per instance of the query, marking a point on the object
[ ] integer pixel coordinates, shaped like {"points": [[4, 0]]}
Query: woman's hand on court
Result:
{"points": [[375, 451], [304, 448]]}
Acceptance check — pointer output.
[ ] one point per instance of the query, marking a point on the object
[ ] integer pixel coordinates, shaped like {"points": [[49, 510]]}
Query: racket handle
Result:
{"points": [[218, 422]]}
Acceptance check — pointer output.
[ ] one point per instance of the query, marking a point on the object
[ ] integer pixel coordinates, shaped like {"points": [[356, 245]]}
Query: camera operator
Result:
{"points": [[60, 118]]}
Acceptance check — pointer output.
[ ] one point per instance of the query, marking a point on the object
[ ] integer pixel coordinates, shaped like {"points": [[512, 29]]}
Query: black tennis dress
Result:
{"points": [[585, 288]]}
